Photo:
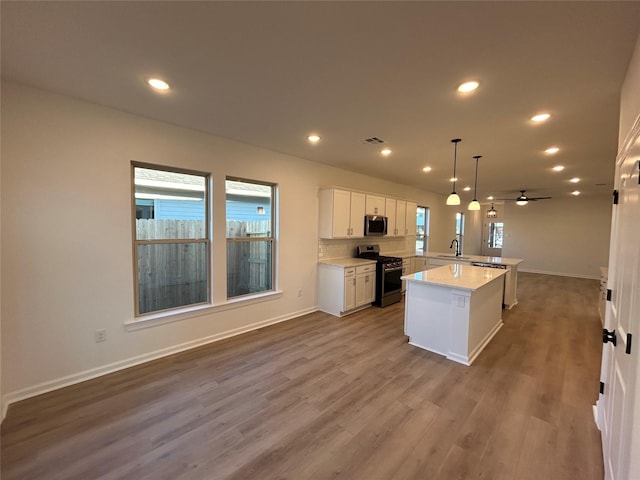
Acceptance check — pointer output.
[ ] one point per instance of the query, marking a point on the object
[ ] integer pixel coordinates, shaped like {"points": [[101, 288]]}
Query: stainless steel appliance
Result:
{"points": [[388, 273], [375, 225]]}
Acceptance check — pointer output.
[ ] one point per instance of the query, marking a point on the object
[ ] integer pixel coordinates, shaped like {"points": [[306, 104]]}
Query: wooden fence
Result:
{"points": [[175, 274]]}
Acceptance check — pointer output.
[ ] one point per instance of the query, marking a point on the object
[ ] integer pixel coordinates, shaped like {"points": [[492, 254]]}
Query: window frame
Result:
{"points": [[271, 238], [207, 241], [425, 235]]}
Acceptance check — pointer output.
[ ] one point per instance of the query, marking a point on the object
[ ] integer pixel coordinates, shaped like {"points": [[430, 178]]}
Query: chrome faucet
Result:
{"points": [[458, 252]]}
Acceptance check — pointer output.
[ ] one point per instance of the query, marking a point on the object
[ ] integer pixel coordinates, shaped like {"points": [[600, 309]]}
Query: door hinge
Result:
{"points": [[609, 336], [602, 388], [615, 197], [628, 349], [609, 293]]}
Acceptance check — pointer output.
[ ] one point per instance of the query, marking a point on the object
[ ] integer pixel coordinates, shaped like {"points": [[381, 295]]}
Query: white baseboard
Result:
{"points": [[559, 274], [51, 385]]}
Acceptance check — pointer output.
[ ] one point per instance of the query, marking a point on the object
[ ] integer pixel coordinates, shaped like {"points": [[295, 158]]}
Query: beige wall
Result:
{"points": [[561, 236], [66, 235], [630, 96]]}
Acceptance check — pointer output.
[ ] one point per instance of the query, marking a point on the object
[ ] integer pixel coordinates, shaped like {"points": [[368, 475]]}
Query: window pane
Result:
{"points": [[248, 267], [171, 275], [249, 209], [496, 231], [169, 205]]}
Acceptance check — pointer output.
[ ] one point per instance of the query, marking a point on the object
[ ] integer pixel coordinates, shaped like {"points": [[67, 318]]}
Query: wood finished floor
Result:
{"points": [[321, 397]]}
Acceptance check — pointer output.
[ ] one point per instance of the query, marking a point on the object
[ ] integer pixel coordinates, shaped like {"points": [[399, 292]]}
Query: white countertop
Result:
{"points": [[476, 258], [465, 277], [347, 262]]}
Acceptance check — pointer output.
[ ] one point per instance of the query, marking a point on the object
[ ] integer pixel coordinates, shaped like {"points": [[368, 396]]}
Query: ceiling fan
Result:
{"points": [[523, 199]]}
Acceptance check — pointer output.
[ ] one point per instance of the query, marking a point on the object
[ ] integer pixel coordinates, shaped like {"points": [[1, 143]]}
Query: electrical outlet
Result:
{"points": [[299, 292], [100, 335]]}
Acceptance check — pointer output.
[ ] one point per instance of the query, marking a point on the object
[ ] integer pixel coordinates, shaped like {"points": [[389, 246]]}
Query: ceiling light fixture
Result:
{"points": [[575, 180], [575, 193], [475, 205], [540, 117], [426, 169], [385, 152], [490, 197], [453, 198], [552, 150], [466, 189], [158, 84], [313, 138], [492, 212], [558, 168], [467, 87]]}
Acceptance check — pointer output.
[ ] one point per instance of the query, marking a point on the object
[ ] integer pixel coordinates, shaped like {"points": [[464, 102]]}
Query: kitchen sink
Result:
{"points": [[453, 256]]}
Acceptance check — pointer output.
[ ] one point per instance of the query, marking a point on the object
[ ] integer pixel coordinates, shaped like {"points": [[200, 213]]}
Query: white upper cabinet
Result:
{"points": [[341, 213], [410, 218], [390, 209], [375, 205], [397, 217]]}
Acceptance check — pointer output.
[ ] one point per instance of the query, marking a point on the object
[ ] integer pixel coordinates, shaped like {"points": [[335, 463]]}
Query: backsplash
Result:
{"points": [[340, 248]]}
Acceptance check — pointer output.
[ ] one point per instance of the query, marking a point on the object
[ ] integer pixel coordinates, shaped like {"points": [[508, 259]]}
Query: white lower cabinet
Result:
{"points": [[343, 290], [419, 264], [365, 285]]}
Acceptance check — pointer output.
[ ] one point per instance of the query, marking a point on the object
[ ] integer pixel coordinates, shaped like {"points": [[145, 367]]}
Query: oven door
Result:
{"points": [[389, 287]]}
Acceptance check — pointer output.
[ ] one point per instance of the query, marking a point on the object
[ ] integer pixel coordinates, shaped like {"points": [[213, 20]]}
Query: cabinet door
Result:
{"points": [[375, 205], [365, 289], [410, 217], [390, 209], [357, 213], [349, 293], [401, 218], [340, 213]]}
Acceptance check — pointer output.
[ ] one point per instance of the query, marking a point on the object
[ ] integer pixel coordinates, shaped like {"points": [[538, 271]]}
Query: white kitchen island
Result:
{"points": [[454, 310]]}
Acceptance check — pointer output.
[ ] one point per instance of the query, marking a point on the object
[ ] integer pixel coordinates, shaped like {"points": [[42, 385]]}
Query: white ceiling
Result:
{"points": [[270, 73]]}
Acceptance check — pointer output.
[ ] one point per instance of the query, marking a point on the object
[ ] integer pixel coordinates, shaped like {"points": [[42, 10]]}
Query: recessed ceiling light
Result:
{"points": [[575, 193], [541, 117], [558, 168], [313, 138], [426, 169], [552, 150], [453, 179], [468, 87], [490, 197], [158, 84], [466, 189], [385, 152], [574, 180]]}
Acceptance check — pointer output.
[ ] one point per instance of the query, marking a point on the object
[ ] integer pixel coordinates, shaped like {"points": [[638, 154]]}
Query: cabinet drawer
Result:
{"points": [[365, 269], [349, 271]]}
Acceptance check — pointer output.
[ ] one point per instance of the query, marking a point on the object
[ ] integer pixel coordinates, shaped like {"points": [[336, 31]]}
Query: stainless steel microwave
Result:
{"points": [[375, 225]]}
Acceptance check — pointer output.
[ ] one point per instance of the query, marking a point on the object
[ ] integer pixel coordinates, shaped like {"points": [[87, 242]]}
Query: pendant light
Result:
{"points": [[454, 199], [475, 205], [492, 212]]}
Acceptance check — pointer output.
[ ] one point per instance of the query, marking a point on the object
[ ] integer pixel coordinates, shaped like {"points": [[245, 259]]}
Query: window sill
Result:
{"points": [[154, 319]]}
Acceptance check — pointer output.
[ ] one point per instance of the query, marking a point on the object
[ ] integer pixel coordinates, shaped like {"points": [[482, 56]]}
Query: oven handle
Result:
{"points": [[394, 269]]}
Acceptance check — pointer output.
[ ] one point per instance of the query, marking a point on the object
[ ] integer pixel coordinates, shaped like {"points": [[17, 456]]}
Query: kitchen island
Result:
{"points": [[454, 310]]}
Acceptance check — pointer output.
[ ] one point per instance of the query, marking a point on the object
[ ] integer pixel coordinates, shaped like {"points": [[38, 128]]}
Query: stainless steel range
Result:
{"points": [[388, 273]]}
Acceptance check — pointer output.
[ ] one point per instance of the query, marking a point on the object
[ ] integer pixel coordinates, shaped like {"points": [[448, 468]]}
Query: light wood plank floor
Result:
{"points": [[320, 397]]}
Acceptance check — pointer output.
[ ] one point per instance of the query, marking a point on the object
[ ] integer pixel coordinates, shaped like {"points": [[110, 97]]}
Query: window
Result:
{"points": [[171, 238], [422, 229], [460, 229], [496, 233], [250, 236]]}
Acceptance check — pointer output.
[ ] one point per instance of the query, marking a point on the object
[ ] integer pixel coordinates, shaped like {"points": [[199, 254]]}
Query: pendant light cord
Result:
{"points": [[455, 159], [475, 184]]}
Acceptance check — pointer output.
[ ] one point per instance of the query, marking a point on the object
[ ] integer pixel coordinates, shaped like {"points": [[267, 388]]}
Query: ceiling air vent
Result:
{"points": [[373, 140]]}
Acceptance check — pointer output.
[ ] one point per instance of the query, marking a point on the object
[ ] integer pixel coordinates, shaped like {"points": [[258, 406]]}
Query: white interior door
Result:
{"points": [[619, 425]]}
